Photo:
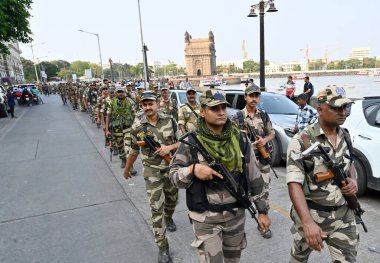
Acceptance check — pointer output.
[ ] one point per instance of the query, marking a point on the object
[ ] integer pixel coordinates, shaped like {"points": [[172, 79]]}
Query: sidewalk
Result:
{"points": [[59, 201]]}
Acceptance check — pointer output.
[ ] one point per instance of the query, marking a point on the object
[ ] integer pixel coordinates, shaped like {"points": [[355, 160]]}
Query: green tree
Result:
{"points": [[14, 23], [60, 64], [331, 66], [316, 65], [251, 66], [353, 63], [65, 73], [296, 68], [28, 67], [78, 67], [51, 70]]}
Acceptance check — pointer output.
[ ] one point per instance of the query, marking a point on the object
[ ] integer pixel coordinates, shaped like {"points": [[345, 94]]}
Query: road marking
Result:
{"points": [[279, 209]]}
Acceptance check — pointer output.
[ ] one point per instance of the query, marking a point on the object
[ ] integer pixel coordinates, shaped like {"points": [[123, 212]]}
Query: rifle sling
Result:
{"points": [[191, 108]]}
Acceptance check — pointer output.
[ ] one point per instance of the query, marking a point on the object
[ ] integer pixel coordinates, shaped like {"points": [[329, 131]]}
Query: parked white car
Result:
{"points": [[363, 125]]}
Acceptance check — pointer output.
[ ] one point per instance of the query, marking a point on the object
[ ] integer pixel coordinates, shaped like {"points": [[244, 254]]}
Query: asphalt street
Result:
{"points": [[62, 200]]}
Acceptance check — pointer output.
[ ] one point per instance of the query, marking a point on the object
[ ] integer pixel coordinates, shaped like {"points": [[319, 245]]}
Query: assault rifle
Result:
{"points": [[337, 173], [262, 151], [153, 145], [230, 184]]}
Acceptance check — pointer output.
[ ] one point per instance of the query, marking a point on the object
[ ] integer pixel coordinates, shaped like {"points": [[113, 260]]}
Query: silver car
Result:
{"points": [[282, 112]]}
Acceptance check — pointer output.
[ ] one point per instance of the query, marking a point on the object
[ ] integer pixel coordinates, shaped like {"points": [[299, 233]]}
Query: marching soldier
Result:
{"points": [[320, 211], [167, 105], [189, 112], [217, 217], [161, 192], [73, 95], [120, 116], [260, 122]]}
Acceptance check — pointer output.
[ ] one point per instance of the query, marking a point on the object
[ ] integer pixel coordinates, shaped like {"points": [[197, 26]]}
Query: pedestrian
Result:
{"points": [[306, 114], [259, 120], [11, 103], [308, 89], [290, 88], [320, 212], [218, 219], [168, 105], [162, 194], [120, 116], [189, 112]]}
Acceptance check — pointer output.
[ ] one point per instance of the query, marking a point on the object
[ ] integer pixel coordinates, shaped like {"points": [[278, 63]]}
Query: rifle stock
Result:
{"points": [[153, 145], [261, 149]]}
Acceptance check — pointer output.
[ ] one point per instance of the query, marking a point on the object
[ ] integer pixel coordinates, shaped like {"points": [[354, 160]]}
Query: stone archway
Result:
{"points": [[200, 55]]}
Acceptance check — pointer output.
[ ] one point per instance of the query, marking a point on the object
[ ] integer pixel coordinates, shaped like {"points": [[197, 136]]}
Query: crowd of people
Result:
{"points": [[172, 142]]}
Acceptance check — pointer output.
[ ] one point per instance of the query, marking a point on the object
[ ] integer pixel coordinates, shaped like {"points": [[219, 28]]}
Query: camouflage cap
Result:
{"points": [[191, 89], [213, 97], [119, 88], [333, 95], [252, 88], [166, 86], [148, 95]]}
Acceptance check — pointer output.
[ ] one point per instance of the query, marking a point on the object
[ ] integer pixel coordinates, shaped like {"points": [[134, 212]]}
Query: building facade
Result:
{"points": [[10, 65], [359, 53], [200, 55]]}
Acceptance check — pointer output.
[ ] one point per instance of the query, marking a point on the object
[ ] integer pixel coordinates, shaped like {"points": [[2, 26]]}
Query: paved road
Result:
{"points": [[62, 200]]}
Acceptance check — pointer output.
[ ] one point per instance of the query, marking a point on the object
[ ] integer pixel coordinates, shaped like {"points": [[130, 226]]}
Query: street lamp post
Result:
{"points": [[144, 49], [261, 6], [100, 53], [34, 61]]}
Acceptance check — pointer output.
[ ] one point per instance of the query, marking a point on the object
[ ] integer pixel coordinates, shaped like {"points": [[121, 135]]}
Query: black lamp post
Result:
{"points": [[261, 6]]}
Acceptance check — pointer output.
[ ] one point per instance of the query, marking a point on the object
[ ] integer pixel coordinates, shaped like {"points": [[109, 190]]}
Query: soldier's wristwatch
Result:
{"points": [[264, 211]]}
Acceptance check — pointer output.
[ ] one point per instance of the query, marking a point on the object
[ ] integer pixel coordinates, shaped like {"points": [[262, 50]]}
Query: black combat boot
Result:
{"points": [[123, 162], [163, 255], [106, 142], [115, 151], [170, 225], [133, 171]]}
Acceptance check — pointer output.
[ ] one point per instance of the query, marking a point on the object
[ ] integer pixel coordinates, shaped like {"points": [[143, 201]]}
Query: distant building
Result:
{"points": [[359, 53], [11, 66], [200, 55], [236, 63], [272, 68]]}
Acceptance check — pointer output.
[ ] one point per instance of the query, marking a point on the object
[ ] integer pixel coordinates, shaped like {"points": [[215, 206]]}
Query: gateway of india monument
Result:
{"points": [[200, 55]]}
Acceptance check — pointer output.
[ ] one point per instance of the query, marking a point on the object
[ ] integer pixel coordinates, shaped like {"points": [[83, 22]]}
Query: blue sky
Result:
{"points": [[339, 25]]}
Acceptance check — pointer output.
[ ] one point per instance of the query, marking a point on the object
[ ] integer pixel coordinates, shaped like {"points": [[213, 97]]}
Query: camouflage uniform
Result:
{"points": [[73, 96], [342, 235], [162, 194], [92, 100], [122, 115], [257, 123], [169, 107], [219, 236], [187, 118]]}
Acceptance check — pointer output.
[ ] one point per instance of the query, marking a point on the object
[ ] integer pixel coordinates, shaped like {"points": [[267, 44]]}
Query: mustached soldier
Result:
{"points": [[218, 219], [189, 112], [168, 105], [320, 211], [262, 125], [162, 194], [120, 116]]}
